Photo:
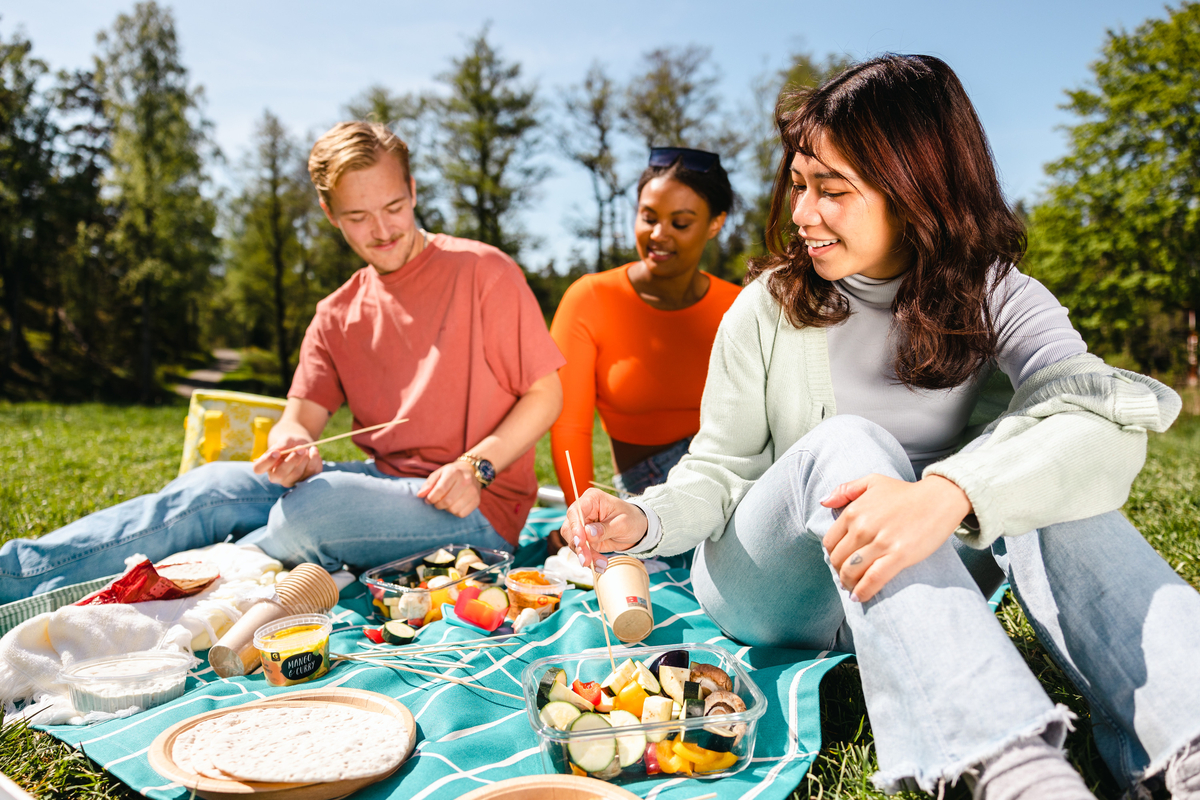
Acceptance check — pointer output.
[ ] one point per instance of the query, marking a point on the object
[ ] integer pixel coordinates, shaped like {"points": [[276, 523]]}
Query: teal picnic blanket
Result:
{"points": [[467, 738]]}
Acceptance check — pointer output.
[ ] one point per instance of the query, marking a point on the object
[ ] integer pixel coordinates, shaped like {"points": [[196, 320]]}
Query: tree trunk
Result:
{"points": [[1193, 374], [146, 358]]}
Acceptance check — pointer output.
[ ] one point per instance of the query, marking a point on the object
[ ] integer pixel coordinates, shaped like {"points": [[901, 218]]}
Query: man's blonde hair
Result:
{"points": [[348, 146]]}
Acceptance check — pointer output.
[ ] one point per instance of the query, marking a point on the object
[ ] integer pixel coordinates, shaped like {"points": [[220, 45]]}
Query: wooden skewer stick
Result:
{"points": [[449, 678], [708, 796], [606, 487], [595, 578], [412, 650], [341, 436]]}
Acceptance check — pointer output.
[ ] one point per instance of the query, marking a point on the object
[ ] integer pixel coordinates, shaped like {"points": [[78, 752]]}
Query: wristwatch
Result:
{"points": [[485, 473]]}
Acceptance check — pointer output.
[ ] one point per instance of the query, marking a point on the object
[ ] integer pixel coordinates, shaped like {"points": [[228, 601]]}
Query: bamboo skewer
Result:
{"points": [[449, 678], [370, 654], [606, 487], [595, 578], [328, 439]]}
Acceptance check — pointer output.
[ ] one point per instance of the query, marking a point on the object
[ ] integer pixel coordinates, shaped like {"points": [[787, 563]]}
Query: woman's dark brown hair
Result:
{"points": [[906, 126]]}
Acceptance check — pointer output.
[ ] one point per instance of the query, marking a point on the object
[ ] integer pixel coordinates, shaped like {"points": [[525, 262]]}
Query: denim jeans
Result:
{"points": [[651, 472], [945, 687], [350, 513]]}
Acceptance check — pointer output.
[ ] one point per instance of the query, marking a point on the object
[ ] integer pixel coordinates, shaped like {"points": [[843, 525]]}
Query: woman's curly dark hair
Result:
{"points": [[906, 125]]}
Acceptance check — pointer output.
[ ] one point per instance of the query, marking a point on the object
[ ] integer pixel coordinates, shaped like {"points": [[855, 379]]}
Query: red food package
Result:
{"points": [[143, 582]]}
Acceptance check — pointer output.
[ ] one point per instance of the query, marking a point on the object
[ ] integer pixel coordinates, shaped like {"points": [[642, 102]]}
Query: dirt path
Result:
{"points": [[226, 361]]}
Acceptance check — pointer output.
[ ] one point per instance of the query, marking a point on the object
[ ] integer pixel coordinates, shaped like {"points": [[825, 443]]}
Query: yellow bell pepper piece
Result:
{"points": [[723, 762], [631, 699]]}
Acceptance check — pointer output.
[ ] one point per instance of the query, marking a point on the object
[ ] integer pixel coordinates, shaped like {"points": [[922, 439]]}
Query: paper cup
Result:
{"points": [[307, 589], [624, 592]]}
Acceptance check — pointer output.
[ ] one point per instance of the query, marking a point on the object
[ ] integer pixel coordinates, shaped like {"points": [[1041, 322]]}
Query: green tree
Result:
{"points": [[266, 264], [163, 232], [803, 70], [587, 137], [1117, 235], [487, 126], [27, 140]]}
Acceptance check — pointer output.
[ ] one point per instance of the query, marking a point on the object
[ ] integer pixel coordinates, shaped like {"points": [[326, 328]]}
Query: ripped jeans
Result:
{"points": [[944, 685]]}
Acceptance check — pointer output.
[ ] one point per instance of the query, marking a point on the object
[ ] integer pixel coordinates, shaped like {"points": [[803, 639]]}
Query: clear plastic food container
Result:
{"points": [[532, 588], [396, 587], [678, 738], [112, 683]]}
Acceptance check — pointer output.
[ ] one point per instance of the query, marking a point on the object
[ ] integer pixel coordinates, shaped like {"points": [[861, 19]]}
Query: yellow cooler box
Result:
{"points": [[227, 426]]}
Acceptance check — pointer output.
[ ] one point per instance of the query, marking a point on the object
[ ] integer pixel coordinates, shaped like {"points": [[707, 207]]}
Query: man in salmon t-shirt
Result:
{"points": [[439, 330]]}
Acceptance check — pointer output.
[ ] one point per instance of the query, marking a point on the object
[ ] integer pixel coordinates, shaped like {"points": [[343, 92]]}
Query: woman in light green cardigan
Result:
{"points": [[833, 505]]}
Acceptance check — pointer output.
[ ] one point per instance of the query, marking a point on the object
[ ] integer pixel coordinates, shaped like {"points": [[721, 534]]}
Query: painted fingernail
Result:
{"points": [[593, 530], [575, 539], [601, 564], [854, 598], [582, 560], [825, 499]]}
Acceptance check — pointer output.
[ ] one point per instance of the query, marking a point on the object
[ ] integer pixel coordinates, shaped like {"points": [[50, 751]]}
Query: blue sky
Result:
{"points": [[305, 59]]}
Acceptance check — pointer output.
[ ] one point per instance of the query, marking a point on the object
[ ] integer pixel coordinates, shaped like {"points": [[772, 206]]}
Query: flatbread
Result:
{"points": [[312, 744], [188, 575]]}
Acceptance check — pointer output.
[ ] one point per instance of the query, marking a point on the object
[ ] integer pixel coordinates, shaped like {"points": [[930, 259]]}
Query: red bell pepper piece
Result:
{"points": [[470, 609], [652, 767], [374, 634], [589, 691]]}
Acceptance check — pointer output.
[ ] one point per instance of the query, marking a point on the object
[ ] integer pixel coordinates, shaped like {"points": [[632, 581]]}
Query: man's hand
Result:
{"points": [[888, 524], [452, 487], [290, 469], [599, 523]]}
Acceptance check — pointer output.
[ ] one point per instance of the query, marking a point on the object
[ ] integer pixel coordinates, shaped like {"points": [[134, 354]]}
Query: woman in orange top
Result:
{"points": [[637, 338]]}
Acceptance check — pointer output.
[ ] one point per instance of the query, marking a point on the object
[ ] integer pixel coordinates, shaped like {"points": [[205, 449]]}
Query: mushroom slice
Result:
{"points": [[712, 678], [723, 703]]}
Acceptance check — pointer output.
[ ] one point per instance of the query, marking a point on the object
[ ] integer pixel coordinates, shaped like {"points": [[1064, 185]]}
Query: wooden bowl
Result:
{"points": [[217, 789], [550, 787]]}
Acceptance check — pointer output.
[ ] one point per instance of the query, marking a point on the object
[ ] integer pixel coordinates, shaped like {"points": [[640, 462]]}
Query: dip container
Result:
{"points": [[294, 649], [596, 667], [532, 588], [396, 595], [111, 683]]}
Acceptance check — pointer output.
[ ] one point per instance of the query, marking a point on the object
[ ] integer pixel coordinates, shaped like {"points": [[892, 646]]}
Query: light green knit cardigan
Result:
{"points": [[1068, 447]]}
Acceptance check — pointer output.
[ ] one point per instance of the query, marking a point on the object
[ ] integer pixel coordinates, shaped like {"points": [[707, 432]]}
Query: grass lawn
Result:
{"points": [[60, 462]]}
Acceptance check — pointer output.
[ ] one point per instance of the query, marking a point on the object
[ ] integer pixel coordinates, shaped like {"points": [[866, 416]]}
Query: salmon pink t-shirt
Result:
{"points": [[451, 340]]}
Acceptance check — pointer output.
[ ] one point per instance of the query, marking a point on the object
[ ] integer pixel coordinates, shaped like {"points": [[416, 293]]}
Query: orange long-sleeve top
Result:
{"points": [[641, 367]]}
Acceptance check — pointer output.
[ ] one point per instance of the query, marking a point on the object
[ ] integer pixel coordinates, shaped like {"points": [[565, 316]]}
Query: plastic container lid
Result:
{"points": [[554, 584], [295, 641], [111, 683]]}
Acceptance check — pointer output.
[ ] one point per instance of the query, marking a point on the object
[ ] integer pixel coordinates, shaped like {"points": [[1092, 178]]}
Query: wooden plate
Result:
{"points": [[551, 787], [217, 789]]}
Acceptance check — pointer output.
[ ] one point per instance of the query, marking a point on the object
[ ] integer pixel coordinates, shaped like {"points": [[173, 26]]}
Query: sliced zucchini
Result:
{"points": [[647, 681], [619, 678], [606, 702], [593, 753], [397, 632], [551, 677], [559, 715], [560, 692], [694, 691], [692, 708], [630, 746], [442, 558], [494, 597], [432, 572], [717, 738]]}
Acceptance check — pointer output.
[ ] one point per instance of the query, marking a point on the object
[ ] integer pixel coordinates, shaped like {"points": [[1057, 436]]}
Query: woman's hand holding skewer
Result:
{"points": [[599, 523], [887, 525]]}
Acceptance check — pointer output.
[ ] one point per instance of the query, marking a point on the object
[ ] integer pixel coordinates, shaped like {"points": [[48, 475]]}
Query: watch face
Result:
{"points": [[486, 470]]}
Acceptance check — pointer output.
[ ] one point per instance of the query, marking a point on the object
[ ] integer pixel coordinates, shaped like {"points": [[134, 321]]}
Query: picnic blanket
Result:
{"points": [[467, 738]]}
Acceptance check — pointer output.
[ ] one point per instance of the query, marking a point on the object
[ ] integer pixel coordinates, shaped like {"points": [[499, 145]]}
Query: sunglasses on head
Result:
{"points": [[695, 160]]}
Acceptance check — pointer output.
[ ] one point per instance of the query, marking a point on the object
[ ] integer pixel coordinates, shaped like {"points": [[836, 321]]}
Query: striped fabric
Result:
{"points": [[13, 614], [467, 738]]}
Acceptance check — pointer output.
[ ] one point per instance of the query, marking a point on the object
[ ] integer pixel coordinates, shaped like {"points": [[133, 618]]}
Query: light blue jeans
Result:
{"points": [[945, 687], [351, 513]]}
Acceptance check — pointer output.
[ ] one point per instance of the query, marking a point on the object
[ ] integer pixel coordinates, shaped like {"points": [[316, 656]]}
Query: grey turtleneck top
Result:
{"points": [[1034, 332]]}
